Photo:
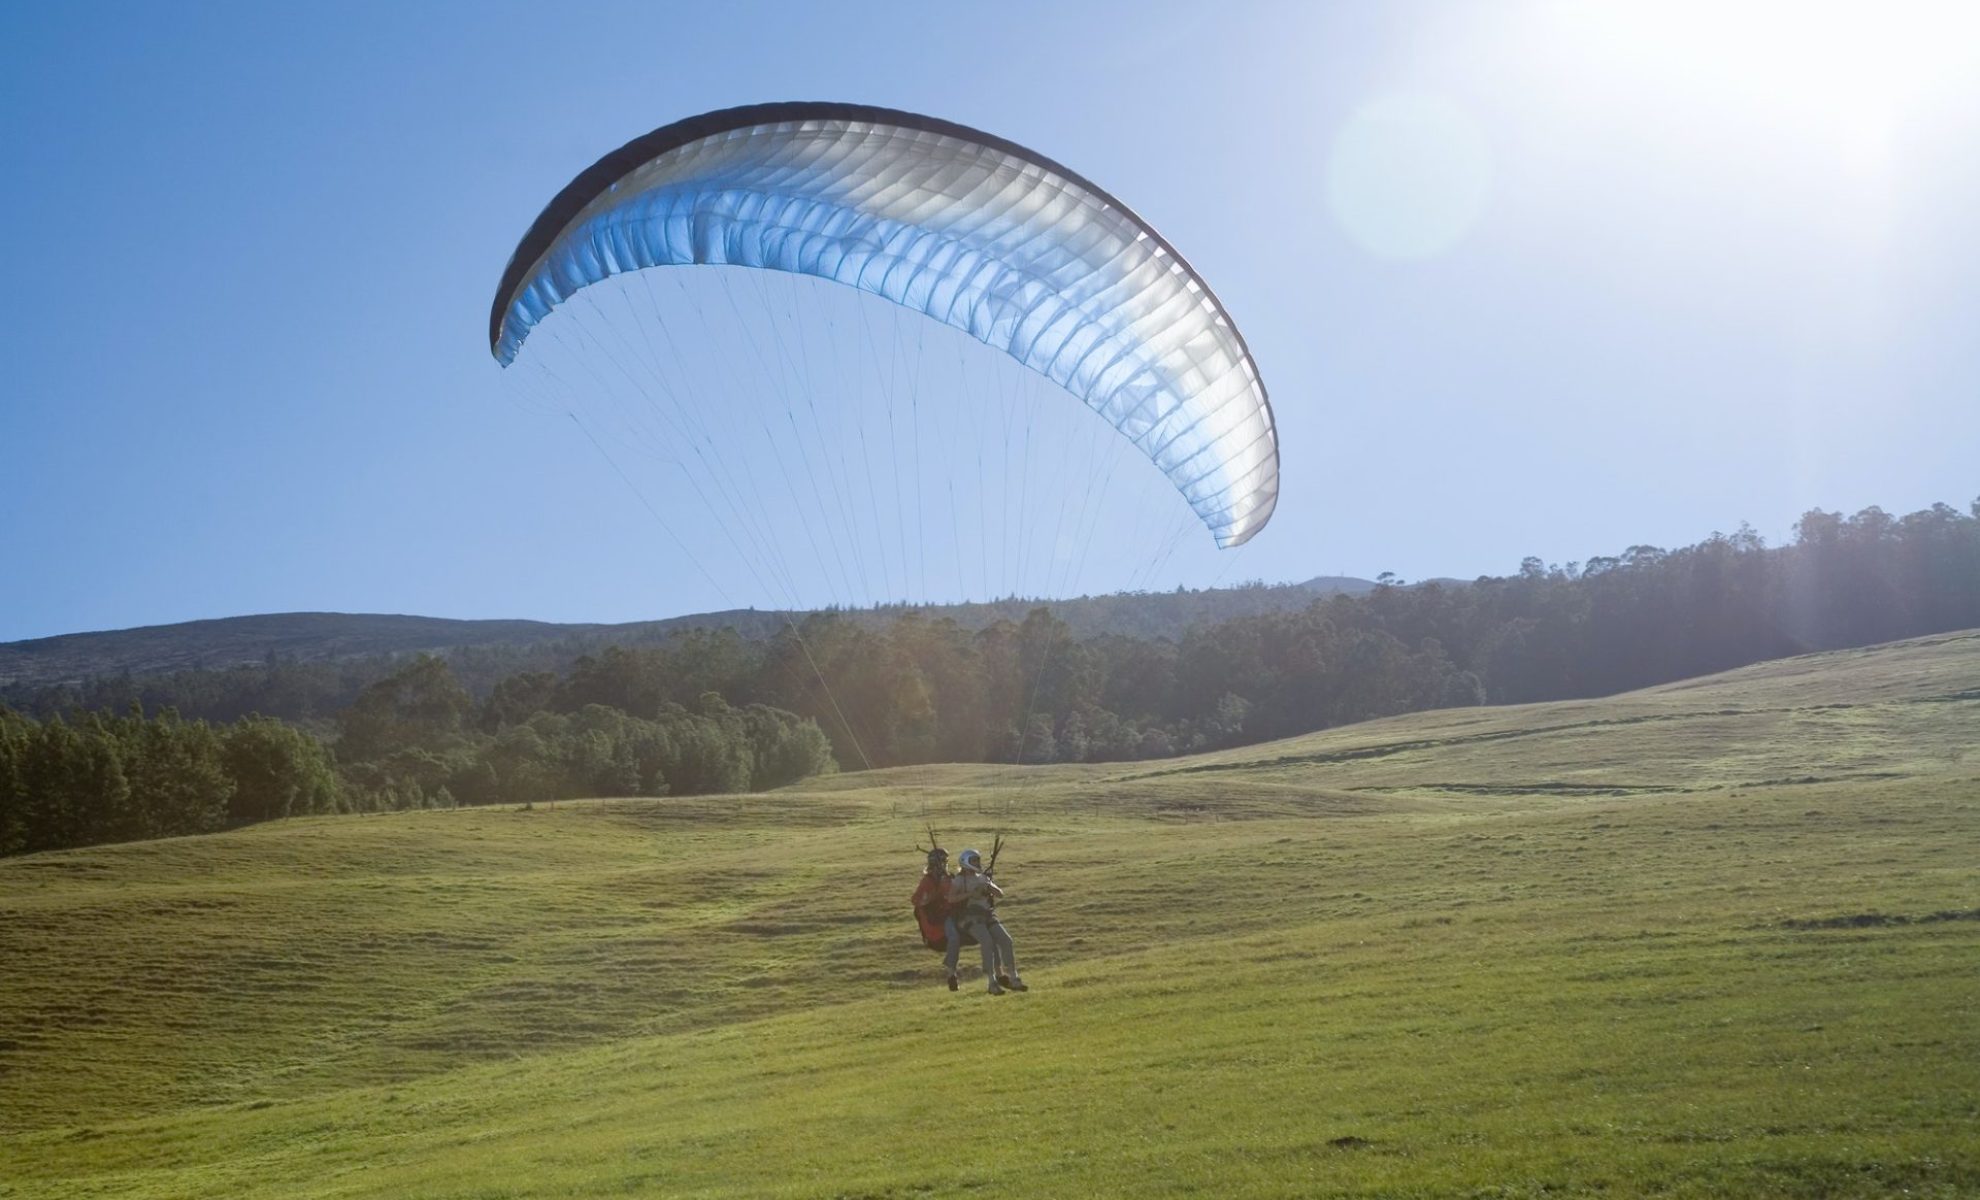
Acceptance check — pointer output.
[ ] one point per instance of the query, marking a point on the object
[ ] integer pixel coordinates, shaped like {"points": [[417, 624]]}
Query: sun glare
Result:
{"points": [[1847, 73]]}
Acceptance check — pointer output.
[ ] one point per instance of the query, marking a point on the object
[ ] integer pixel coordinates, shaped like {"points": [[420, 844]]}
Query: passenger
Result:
{"points": [[972, 897]]}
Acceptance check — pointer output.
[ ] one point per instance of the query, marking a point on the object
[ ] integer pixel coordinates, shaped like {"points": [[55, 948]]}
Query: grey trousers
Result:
{"points": [[991, 939]]}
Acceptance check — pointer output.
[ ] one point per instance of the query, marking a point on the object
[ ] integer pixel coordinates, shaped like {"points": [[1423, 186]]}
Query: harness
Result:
{"points": [[931, 913], [970, 920]]}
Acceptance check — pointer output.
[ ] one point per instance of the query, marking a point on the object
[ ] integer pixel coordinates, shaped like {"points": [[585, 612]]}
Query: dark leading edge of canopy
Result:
{"points": [[601, 175]]}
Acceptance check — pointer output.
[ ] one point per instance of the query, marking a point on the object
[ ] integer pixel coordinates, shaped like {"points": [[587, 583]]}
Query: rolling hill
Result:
{"points": [[1712, 938], [316, 637]]}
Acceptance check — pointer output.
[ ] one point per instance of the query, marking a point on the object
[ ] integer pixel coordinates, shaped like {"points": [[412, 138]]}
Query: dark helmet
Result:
{"points": [[938, 861]]}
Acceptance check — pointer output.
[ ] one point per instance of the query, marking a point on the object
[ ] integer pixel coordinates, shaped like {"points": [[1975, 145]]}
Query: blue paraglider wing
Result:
{"points": [[974, 231]]}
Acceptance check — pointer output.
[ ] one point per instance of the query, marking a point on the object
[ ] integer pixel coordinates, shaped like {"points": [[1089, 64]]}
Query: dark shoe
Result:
{"points": [[952, 983], [1003, 981], [1015, 984]]}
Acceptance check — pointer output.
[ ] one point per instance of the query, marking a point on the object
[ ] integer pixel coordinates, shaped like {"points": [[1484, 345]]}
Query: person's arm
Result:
{"points": [[996, 893]]}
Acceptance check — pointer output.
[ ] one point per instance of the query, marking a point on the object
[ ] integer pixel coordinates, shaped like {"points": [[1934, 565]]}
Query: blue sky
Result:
{"points": [[1522, 278]]}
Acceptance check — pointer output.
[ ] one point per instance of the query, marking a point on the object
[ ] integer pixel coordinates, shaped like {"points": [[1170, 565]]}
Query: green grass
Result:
{"points": [[1717, 938]]}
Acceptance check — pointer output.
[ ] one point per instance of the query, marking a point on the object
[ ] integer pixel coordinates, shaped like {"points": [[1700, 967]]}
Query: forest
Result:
{"points": [[713, 711]]}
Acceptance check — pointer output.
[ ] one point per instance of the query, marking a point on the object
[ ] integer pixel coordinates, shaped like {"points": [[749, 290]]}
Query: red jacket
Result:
{"points": [[931, 909]]}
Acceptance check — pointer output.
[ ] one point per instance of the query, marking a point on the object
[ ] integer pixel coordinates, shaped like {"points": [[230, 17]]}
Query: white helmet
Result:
{"points": [[971, 859]]}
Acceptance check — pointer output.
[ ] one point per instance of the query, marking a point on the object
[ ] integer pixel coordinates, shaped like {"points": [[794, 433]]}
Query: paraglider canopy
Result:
{"points": [[972, 230]]}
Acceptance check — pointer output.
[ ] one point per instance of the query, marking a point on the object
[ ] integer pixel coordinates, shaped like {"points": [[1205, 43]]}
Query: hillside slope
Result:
{"points": [[315, 637], [1713, 938], [302, 637]]}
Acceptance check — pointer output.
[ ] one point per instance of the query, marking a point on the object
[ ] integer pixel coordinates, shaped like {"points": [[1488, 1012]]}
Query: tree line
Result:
{"points": [[714, 711], [409, 741], [926, 689], [97, 778], [417, 738]]}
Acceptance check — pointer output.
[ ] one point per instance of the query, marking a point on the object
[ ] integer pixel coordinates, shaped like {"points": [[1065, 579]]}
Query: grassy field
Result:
{"points": [[1716, 938]]}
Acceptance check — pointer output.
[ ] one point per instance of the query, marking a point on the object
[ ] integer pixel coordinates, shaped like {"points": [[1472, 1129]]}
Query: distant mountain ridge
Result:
{"points": [[218, 643]]}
